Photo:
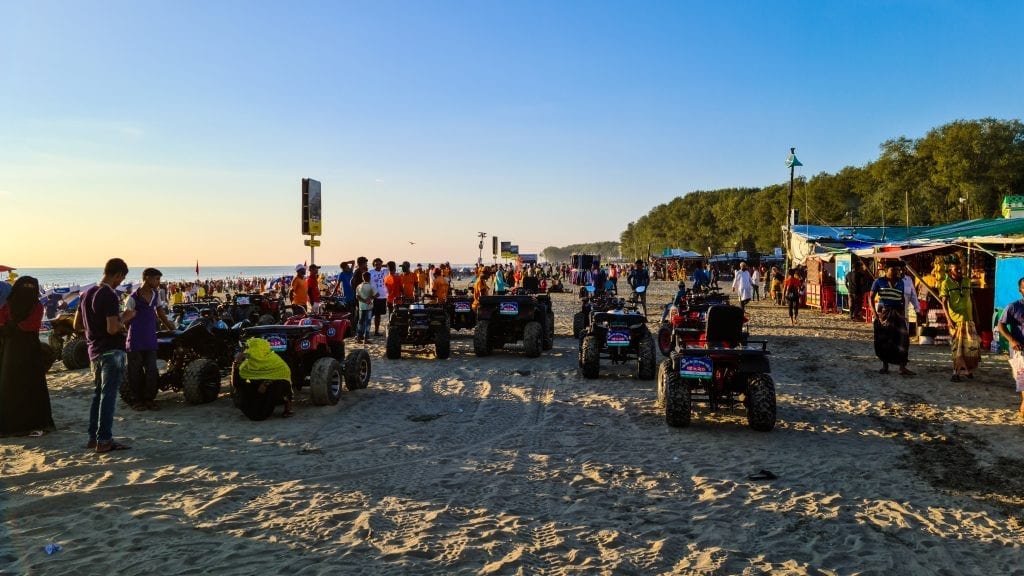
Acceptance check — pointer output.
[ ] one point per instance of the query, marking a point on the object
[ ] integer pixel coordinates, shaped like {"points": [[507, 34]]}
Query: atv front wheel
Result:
{"points": [[357, 369], [482, 338], [201, 381], [677, 399], [590, 357], [664, 367], [665, 339], [761, 403], [532, 339], [325, 382], [646, 361]]}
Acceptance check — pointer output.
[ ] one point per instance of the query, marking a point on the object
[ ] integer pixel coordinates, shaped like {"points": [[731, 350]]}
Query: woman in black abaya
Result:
{"points": [[24, 399]]}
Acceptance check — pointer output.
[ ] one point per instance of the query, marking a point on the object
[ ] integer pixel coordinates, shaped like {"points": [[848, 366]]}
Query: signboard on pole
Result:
{"points": [[311, 224], [506, 250]]}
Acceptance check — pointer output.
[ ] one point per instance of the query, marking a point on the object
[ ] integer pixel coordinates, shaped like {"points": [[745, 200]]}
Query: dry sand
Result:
{"points": [[506, 465]]}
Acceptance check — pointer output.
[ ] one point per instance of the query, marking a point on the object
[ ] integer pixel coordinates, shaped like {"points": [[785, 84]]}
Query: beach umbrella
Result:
{"points": [[6, 268]]}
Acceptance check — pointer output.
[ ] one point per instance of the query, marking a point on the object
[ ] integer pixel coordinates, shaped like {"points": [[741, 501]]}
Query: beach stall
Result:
{"points": [[820, 283]]}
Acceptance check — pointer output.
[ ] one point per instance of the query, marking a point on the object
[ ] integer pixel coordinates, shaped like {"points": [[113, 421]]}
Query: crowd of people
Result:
{"points": [[120, 329]]}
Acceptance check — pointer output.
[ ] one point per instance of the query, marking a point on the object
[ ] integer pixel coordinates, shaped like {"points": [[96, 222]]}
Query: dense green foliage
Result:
{"points": [[605, 249], [923, 180]]}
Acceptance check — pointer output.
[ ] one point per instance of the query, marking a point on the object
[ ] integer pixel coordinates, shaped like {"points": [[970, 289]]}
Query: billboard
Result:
{"points": [[506, 250], [311, 225]]}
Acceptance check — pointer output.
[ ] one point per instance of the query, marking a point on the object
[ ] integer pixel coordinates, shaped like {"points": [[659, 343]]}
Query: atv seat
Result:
{"points": [[724, 326]]}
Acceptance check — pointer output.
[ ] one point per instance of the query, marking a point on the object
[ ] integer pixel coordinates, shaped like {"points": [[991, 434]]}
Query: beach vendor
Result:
{"points": [[892, 335], [955, 295], [1011, 327]]}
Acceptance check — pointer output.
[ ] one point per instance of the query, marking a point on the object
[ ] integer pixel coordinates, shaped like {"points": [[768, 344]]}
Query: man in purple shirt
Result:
{"points": [[99, 314], [143, 377]]}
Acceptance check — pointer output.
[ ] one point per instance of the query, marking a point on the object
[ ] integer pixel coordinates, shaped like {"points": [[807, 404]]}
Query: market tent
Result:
{"points": [[897, 254], [972, 229]]}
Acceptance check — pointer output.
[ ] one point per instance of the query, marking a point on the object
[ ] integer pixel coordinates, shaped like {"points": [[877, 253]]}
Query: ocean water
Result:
{"points": [[57, 277]]}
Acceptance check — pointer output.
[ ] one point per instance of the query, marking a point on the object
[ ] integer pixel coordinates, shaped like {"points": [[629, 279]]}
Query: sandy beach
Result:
{"points": [[507, 465]]}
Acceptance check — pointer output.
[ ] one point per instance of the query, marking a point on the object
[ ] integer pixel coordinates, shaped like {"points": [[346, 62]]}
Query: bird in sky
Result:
{"points": [[411, 242]]}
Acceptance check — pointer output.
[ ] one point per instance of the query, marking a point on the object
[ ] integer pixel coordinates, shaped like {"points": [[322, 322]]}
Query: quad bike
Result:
{"points": [[514, 318], [195, 359], [620, 336], [313, 347], [592, 302], [184, 314], [418, 324], [257, 308], [67, 344], [720, 373], [459, 308]]}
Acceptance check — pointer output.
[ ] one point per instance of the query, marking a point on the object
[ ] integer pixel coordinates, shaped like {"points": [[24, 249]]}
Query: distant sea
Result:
{"points": [[57, 277]]}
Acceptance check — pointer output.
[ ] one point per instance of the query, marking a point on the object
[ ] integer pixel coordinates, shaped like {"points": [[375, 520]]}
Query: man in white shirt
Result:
{"points": [[380, 301], [743, 284], [755, 278]]}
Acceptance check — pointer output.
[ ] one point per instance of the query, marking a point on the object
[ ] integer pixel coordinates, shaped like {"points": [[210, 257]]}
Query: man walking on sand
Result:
{"points": [[1011, 327], [99, 315], [743, 284]]}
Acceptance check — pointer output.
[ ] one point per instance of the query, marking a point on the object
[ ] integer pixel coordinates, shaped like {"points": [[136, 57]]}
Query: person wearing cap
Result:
{"points": [[143, 376], [299, 294], [313, 288]]}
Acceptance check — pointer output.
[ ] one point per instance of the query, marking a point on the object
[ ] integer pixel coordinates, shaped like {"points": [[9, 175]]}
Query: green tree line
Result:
{"points": [[957, 171], [605, 249]]}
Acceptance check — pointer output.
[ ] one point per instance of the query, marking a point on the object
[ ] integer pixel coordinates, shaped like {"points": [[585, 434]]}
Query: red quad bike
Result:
{"points": [[314, 348], [686, 325], [720, 372]]}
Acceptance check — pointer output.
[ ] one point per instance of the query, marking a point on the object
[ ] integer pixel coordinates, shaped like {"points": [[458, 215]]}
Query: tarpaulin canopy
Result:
{"points": [[973, 228], [894, 254]]}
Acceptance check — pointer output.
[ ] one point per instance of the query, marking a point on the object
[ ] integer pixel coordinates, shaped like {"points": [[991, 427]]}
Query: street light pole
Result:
{"points": [[792, 162], [480, 259]]}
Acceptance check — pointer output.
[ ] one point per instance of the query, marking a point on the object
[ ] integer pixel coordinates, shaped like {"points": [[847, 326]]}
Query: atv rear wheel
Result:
{"points": [[590, 357], [75, 354], [201, 381], [761, 403], [677, 399], [579, 321], [482, 338], [443, 344], [549, 336], [357, 369], [532, 339], [325, 382], [393, 345], [646, 360]]}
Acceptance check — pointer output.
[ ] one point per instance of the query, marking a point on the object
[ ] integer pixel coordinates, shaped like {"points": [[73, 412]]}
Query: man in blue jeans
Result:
{"points": [[100, 316]]}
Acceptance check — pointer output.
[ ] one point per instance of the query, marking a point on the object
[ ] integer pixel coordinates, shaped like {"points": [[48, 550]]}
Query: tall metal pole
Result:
{"points": [[789, 210]]}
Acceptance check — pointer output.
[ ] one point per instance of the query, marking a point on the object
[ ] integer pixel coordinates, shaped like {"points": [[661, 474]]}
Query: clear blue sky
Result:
{"points": [[165, 132]]}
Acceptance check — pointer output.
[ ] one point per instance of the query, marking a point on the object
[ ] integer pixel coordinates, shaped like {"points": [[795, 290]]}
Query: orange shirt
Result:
{"points": [[441, 289], [393, 282], [299, 294], [421, 278], [480, 289], [409, 285]]}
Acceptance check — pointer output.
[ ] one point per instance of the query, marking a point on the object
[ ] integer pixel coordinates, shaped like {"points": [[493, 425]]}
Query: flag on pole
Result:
{"points": [[791, 161], [197, 268]]}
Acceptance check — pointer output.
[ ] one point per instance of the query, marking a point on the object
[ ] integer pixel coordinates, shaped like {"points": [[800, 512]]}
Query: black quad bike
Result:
{"points": [[721, 373], [196, 358], [417, 324], [459, 307], [591, 303], [184, 314], [258, 309], [620, 336], [313, 350], [514, 318]]}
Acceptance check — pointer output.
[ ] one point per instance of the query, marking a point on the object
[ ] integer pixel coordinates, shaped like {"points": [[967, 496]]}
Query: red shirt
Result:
{"points": [[32, 323]]}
